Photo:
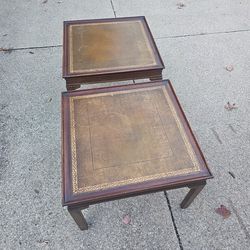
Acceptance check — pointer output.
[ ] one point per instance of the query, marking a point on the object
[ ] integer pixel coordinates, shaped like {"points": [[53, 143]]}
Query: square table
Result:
{"points": [[114, 49], [124, 141]]}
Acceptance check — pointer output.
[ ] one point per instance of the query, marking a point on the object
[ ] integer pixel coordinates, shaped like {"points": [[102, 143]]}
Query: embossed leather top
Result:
{"points": [[126, 139], [108, 46]]}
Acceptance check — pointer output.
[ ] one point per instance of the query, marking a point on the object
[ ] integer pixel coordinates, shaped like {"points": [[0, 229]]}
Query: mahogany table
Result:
{"points": [[114, 49], [124, 141]]}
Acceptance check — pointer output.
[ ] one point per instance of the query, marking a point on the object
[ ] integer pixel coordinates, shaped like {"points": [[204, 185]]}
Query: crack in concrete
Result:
{"points": [[157, 38], [35, 47], [113, 8], [232, 128], [240, 220], [204, 34], [216, 135], [173, 221]]}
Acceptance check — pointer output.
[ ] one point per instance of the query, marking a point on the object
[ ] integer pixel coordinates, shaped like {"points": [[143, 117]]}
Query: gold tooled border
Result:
{"points": [[76, 189], [71, 59]]}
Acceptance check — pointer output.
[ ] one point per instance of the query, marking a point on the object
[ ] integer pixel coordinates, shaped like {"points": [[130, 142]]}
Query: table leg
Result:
{"points": [[78, 217], [193, 192]]}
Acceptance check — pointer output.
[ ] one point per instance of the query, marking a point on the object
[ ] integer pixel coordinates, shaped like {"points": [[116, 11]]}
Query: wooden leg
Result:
{"points": [[193, 192], [156, 77], [73, 87], [78, 217]]}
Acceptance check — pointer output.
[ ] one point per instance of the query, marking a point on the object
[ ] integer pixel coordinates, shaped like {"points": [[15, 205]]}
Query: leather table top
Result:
{"points": [[125, 136], [107, 46]]}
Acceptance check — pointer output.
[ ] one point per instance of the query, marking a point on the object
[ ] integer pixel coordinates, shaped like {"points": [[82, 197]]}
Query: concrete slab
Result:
{"points": [[31, 214], [200, 227], [40, 23], [168, 18], [196, 66]]}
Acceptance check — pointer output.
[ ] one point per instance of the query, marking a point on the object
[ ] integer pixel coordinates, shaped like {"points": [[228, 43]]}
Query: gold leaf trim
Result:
{"points": [[76, 189]]}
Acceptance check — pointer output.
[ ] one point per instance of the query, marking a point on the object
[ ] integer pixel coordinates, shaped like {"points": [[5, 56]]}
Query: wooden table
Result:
{"points": [[124, 141], [104, 50]]}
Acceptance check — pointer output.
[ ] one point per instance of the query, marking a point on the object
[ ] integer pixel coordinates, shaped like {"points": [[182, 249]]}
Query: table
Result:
{"points": [[104, 50], [124, 141]]}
